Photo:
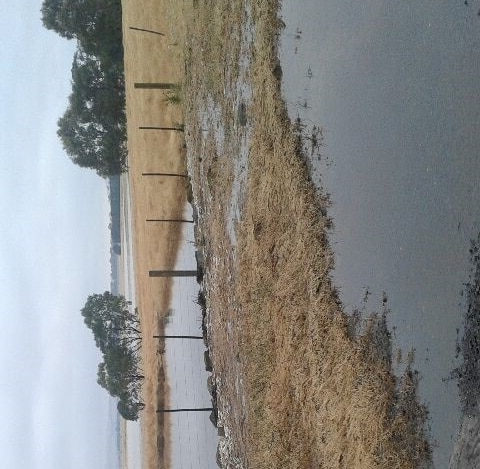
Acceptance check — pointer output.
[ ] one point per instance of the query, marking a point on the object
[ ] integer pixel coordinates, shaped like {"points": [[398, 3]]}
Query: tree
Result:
{"points": [[97, 87], [128, 410], [111, 320], [53, 13], [93, 127], [97, 25], [116, 329]]}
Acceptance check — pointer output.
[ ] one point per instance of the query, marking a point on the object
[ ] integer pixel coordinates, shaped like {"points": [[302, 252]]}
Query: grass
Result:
{"points": [[174, 96], [314, 394], [300, 384], [154, 58]]}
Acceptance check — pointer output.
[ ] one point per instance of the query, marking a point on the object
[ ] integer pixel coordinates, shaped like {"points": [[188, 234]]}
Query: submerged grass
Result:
{"points": [[299, 387]]}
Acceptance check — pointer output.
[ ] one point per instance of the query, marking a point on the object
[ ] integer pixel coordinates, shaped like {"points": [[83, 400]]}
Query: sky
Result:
{"points": [[54, 252]]}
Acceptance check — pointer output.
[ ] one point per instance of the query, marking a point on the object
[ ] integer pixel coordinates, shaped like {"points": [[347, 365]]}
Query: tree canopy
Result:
{"points": [[93, 127], [116, 330], [97, 25]]}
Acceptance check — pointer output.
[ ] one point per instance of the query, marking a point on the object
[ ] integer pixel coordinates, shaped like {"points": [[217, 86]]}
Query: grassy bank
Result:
{"points": [[301, 384]]}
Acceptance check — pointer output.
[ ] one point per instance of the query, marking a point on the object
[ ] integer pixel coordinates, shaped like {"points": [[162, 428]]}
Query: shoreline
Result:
{"points": [[297, 379]]}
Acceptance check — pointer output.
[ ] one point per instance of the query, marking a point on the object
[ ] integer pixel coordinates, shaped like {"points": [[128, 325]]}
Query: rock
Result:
{"points": [[218, 457], [211, 386], [214, 416], [207, 360]]}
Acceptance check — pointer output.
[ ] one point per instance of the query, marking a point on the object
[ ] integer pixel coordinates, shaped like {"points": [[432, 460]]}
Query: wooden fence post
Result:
{"points": [[172, 273], [200, 409], [147, 31]]}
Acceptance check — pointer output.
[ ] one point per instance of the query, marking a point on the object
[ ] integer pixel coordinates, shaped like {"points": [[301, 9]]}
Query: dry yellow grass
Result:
{"points": [[153, 58]]}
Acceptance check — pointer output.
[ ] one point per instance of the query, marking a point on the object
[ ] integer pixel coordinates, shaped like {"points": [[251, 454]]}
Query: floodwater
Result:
{"points": [[396, 88], [194, 438]]}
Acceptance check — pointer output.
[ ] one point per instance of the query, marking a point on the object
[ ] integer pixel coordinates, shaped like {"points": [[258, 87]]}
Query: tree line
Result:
{"points": [[93, 127], [116, 330]]}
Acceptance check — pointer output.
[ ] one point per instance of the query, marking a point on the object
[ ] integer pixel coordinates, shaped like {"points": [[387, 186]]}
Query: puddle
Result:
{"points": [[241, 96], [395, 88], [232, 141], [240, 171]]}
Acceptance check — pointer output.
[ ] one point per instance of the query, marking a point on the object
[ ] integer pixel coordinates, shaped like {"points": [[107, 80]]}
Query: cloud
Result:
{"points": [[53, 253]]}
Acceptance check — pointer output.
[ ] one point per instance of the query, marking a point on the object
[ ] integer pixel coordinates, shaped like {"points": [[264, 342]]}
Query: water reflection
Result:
{"points": [[395, 87], [186, 370]]}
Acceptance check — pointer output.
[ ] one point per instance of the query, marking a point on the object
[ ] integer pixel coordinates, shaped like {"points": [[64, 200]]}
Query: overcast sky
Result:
{"points": [[54, 245]]}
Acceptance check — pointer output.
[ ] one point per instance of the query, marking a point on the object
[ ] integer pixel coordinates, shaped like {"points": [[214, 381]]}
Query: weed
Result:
{"points": [[174, 96]]}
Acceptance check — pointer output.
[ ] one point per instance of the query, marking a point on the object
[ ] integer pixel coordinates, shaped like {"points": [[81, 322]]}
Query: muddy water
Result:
{"points": [[396, 87], [194, 439]]}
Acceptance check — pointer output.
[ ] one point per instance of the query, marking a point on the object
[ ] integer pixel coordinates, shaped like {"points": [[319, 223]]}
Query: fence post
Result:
{"points": [[166, 174], [173, 220], [200, 409], [147, 31], [172, 273], [155, 86], [177, 337], [177, 129]]}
